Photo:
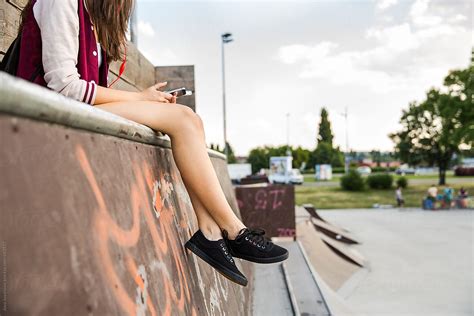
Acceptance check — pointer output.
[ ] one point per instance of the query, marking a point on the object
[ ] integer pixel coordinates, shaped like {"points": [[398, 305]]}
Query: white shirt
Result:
{"points": [[58, 21]]}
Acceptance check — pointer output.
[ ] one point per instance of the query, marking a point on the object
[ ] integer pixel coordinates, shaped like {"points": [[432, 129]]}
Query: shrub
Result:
{"points": [[352, 181], [402, 182], [383, 169], [380, 181]]}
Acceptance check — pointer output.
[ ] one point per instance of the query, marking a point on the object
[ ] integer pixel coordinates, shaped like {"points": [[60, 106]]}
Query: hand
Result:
{"points": [[173, 99], [153, 94]]}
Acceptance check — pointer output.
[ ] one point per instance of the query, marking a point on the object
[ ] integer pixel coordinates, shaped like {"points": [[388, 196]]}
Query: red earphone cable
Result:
{"points": [[122, 66]]}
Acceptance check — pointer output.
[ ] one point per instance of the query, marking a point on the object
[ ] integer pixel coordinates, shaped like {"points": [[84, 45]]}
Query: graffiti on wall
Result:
{"points": [[271, 208], [153, 275]]}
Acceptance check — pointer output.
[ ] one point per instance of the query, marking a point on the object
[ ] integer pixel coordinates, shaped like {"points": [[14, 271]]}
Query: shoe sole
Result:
{"points": [[283, 257], [229, 274]]}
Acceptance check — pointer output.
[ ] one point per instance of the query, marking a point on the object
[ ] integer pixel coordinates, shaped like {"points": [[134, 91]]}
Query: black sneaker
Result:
{"points": [[252, 245], [217, 255]]}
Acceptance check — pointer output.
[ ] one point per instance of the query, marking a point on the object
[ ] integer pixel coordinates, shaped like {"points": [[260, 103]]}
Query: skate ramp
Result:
{"points": [[314, 214], [95, 214], [332, 268], [337, 233]]}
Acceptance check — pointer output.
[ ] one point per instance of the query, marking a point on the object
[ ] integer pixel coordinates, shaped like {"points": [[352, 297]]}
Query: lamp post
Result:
{"points": [[133, 26], [226, 38], [288, 150], [346, 156]]}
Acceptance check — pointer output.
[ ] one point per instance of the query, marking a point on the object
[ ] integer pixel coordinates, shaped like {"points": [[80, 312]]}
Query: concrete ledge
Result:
{"points": [[25, 99], [95, 215]]}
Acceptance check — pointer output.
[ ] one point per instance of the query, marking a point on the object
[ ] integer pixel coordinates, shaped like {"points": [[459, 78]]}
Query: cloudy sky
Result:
{"points": [[371, 56]]}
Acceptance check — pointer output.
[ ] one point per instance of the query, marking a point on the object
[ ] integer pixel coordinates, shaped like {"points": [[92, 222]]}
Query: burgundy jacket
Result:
{"points": [[30, 62]]}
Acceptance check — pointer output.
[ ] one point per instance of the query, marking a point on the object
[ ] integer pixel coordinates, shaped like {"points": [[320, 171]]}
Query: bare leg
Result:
{"points": [[190, 154], [206, 223]]}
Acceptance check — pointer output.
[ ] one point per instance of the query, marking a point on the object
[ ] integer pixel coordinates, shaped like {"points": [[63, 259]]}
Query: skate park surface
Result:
{"points": [[419, 262], [411, 262]]}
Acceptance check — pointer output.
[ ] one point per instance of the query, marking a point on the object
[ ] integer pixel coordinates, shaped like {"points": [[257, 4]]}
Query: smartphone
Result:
{"points": [[180, 92]]}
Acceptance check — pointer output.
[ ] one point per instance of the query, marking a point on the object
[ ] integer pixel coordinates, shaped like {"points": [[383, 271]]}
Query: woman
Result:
{"points": [[67, 45]]}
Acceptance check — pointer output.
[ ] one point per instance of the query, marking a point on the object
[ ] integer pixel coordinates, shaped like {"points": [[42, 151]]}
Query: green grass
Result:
{"points": [[336, 198], [434, 177], [310, 178]]}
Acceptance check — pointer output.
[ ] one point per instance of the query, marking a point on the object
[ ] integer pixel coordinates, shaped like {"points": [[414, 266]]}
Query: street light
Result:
{"points": [[288, 150], [133, 26], [226, 38], [346, 156]]}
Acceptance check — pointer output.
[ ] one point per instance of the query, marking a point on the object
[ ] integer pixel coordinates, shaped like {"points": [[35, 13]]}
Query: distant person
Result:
{"points": [[431, 197], [432, 192], [448, 197], [462, 198], [399, 197], [67, 46]]}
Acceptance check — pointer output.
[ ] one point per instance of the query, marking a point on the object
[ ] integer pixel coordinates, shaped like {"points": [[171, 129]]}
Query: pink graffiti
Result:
{"points": [[286, 232], [263, 197]]}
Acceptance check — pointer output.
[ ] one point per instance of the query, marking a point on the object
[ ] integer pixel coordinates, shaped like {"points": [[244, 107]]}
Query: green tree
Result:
{"points": [[434, 129], [258, 158], [325, 153], [215, 147], [230, 154], [325, 134], [376, 157]]}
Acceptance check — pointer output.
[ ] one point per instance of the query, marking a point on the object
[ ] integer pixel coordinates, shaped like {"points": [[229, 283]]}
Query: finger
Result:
{"points": [[163, 100], [173, 100], [167, 96], [160, 85]]}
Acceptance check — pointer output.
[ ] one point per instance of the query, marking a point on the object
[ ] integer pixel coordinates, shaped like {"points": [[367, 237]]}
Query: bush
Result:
{"points": [[338, 170], [380, 181], [352, 181], [383, 169], [402, 182]]}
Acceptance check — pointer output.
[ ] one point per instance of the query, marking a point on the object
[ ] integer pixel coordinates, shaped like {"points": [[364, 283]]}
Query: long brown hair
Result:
{"points": [[111, 20]]}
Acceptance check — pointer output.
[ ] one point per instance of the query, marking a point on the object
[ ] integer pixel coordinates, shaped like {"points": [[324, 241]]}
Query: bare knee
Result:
{"points": [[189, 120]]}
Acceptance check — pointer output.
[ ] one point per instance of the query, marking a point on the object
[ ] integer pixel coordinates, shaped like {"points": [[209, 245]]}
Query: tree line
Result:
{"points": [[440, 128]]}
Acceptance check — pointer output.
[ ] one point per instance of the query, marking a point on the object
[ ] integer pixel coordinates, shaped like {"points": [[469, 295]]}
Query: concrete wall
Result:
{"points": [[94, 215], [178, 77], [9, 15]]}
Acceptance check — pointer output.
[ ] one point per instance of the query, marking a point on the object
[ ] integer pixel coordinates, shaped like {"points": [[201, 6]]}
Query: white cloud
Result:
{"points": [[385, 4], [403, 55], [145, 29], [293, 53], [420, 15], [458, 18]]}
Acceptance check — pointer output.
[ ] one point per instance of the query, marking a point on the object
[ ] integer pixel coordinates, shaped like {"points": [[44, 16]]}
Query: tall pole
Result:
{"points": [[133, 26], [288, 151], [226, 38], [346, 160], [223, 100]]}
